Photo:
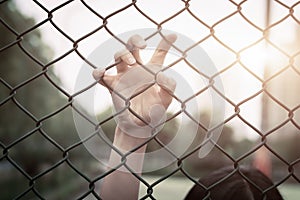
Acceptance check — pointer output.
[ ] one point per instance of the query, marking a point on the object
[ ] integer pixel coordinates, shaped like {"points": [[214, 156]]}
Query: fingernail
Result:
{"points": [[141, 44], [131, 60], [97, 73]]}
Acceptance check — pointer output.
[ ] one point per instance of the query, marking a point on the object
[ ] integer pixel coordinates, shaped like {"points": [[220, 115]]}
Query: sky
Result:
{"points": [[236, 32]]}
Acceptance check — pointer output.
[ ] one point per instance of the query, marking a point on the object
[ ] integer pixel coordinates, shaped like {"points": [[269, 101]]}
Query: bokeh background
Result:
{"points": [[254, 44]]}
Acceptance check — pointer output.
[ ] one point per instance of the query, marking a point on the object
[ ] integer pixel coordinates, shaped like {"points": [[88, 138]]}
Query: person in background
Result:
{"points": [[247, 183]]}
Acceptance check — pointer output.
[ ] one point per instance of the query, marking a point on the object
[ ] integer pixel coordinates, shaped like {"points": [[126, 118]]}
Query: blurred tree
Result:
{"points": [[215, 158], [294, 143], [288, 147], [34, 153]]}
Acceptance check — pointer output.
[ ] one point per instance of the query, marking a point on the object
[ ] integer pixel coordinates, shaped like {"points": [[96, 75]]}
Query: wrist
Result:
{"points": [[134, 130], [126, 141]]}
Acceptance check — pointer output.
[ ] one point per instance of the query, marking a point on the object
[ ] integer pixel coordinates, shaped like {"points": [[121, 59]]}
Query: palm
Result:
{"points": [[140, 97]]}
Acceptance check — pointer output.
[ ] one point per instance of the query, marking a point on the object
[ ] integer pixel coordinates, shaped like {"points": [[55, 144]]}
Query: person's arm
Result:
{"points": [[150, 105], [121, 184]]}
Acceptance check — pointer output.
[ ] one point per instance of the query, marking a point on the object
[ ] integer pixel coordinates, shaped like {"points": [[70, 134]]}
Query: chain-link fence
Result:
{"points": [[42, 157]]}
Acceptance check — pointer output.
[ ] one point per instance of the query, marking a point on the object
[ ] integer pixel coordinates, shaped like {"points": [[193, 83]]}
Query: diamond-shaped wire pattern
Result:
{"points": [[283, 113]]}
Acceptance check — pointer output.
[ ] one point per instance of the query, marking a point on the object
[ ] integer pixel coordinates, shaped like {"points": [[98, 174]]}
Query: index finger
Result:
{"points": [[134, 44], [162, 49]]}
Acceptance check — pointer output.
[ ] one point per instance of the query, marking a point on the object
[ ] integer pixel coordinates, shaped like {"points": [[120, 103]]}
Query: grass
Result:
{"points": [[290, 192]]}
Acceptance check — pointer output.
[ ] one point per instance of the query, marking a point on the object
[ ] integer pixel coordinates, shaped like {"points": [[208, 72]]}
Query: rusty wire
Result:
{"points": [[105, 26]]}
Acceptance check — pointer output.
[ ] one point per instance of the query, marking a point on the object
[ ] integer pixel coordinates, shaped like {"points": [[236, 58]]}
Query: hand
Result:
{"points": [[141, 93]]}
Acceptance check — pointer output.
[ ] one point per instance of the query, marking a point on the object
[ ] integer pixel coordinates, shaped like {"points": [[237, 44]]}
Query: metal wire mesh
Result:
{"points": [[290, 167]]}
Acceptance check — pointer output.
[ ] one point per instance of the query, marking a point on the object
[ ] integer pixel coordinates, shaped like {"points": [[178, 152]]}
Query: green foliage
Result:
{"points": [[28, 105]]}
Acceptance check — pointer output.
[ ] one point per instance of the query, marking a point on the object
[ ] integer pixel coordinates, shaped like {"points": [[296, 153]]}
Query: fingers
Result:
{"points": [[130, 55], [162, 49], [102, 78], [134, 44], [167, 88], [124, 58]]}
